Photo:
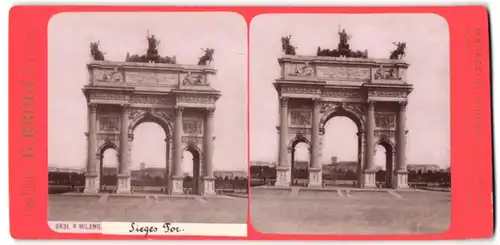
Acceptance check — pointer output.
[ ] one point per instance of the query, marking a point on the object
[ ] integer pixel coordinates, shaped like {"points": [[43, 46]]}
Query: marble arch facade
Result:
{"points": [[372, 93], [179, 98]]}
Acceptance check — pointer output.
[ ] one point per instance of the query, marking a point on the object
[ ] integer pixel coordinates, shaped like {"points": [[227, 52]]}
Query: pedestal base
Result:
{"points": [[123, 184], [208, 186], [91, 183], [177, 185], [401, 179], [369, 180], [282, 176], [315, 178]]}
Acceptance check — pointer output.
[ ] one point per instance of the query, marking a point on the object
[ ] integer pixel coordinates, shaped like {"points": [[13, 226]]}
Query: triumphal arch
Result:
{"points": [[151, 88], [373, 93]]}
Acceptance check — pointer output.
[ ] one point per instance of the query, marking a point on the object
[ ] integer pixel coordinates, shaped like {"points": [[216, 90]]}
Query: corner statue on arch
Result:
{"points": [[373, 93], [151, 88]]}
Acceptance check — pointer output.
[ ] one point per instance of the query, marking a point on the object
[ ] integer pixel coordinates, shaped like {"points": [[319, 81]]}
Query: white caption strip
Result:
{"points": [[186, 229]]}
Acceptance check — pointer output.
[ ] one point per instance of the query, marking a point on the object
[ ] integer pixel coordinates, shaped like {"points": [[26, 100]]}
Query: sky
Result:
{"points": [[428, 111], [180, 34]]}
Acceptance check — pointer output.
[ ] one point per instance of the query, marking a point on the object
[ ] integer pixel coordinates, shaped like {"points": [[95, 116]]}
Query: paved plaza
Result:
{"points": [[147, 208], [344, 211]]}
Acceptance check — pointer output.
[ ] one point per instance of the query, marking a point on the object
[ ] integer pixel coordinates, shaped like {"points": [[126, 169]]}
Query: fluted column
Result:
{"points": [[401, 172], [283, 169], [283, 131], [177, 185], [123, 185], [92, 177], [208, 143], [315, 179], [208, 178], [124, 141], [369, 152]]}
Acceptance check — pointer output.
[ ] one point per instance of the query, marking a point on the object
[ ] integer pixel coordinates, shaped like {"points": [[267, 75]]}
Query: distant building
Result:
{"points": [[423, 167], [263, 163], [65, 170], [230, 174]]}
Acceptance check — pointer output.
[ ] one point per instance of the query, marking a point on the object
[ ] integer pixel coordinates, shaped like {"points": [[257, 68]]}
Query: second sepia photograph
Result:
{"points": [[350, 124]]}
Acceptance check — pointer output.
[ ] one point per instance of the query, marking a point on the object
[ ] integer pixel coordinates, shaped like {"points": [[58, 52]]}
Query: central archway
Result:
{"points": [[154, 172]]}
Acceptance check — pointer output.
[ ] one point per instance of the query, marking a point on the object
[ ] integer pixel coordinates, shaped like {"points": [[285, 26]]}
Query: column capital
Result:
{"points": [[371, 104], [179, 109], [316, 102], [284, 101], [210, 111], [92, 106], [402, 105]]}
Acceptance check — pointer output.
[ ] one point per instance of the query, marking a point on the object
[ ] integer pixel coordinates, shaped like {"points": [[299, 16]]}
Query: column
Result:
{"points": [[401, 172], [361, 158], [166, 176], [208, 178], [283, 169], [315, 178], [123, 185], [369, 172], [177, 179], [92, 176]]}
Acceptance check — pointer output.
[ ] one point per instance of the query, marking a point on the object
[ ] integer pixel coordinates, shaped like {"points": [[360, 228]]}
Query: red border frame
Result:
{"points": [[472, 209]]}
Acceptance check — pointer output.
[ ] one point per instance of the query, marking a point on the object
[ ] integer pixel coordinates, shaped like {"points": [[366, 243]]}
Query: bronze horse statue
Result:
{"points": [[343, 53], [146, 59], [207, 58], [286, 45], [95, 52], [399, 52]]}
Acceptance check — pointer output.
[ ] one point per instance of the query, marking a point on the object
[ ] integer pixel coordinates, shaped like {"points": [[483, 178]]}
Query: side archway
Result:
{"points": [[299, 173], [194, 184], [390, 152]]}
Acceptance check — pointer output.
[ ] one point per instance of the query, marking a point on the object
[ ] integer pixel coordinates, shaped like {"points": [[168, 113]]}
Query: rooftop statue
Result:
{"points": [[152, 55], [207, 58], [95, 52], [286, 45], [399, 52], [343, 48]]}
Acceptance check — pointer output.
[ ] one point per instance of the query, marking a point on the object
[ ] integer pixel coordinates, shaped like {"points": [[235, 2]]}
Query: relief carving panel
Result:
{"points": [[303, 70], [152, 77], [107, 96], [337, 93], [192, 126], [151, 99], [385, 73], [385, 120], [108, 75], [192, 139], [301, 117], [386, 93], [109, 124], [193, 79], [344, 72], [300, 90], [196, 99]]}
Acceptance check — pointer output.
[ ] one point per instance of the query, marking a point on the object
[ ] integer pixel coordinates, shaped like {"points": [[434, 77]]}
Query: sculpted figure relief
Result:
{"points": [[383, 73], [114, 76], [192, 127], [108, 124], [301, 118], [306, 70], [385, 121], [193, 79]]}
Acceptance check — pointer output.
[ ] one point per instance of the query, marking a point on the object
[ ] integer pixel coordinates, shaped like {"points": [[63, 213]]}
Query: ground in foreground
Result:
{"points": [[144, 208], [349, 212]]}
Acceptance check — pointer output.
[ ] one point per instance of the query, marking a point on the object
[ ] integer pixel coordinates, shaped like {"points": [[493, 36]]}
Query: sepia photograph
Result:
{"points": [[349, 124], [148, 119]]}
